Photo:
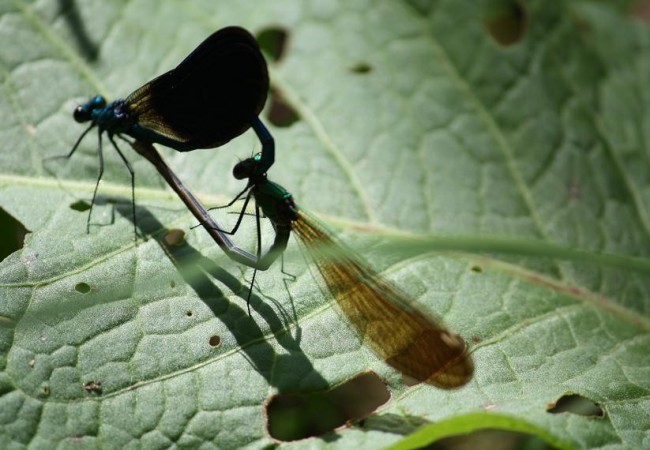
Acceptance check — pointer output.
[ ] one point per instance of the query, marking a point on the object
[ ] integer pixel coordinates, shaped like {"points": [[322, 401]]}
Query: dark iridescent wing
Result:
{"points": [[416, 345], [211, 97]]}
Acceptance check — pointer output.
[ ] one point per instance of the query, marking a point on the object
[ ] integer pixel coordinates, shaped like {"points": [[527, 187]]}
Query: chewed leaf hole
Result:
{"points": [[215, 340], [93, 387], [641, 10], [477, 269], [80, 205], [281, 114], [506, 21], [575, 404], [175, 237], [273, 41], [361, 68], [298, 416], [13, 235], [82, 288]]}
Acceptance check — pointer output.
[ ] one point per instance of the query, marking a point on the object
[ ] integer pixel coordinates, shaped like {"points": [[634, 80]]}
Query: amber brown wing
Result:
{"points": [[416, 345]]}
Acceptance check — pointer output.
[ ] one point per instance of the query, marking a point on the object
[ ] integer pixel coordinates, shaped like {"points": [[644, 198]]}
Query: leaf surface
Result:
{"points": [[505, 186]]}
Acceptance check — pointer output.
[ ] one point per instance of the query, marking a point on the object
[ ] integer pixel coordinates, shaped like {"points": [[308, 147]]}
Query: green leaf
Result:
{"points": [[472, 422], [490, 159]]}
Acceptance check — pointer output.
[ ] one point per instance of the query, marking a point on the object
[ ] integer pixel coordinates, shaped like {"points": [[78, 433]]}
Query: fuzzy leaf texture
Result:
{"points": [[503, 183]]}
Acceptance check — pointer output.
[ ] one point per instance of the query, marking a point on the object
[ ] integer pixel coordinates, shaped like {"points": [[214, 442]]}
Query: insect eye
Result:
{"points": [[81, 114], [243, 169]]}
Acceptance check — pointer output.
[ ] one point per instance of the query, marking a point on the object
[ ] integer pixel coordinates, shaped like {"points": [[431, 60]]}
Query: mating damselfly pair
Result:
{"points": [[215, 94]]}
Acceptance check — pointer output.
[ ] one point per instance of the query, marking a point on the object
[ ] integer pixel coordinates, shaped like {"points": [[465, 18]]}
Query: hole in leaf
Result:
{"points": [[215, 340], [172, 284], [281, 114], [361, 68], [506, 21], [575, 404], [299, 416], [188, 313], [641, 10], [80, 205], [273, 41], [45, 390], [13, 235], [175, 237], [477, 269], [93, 387], [82, 288]]}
